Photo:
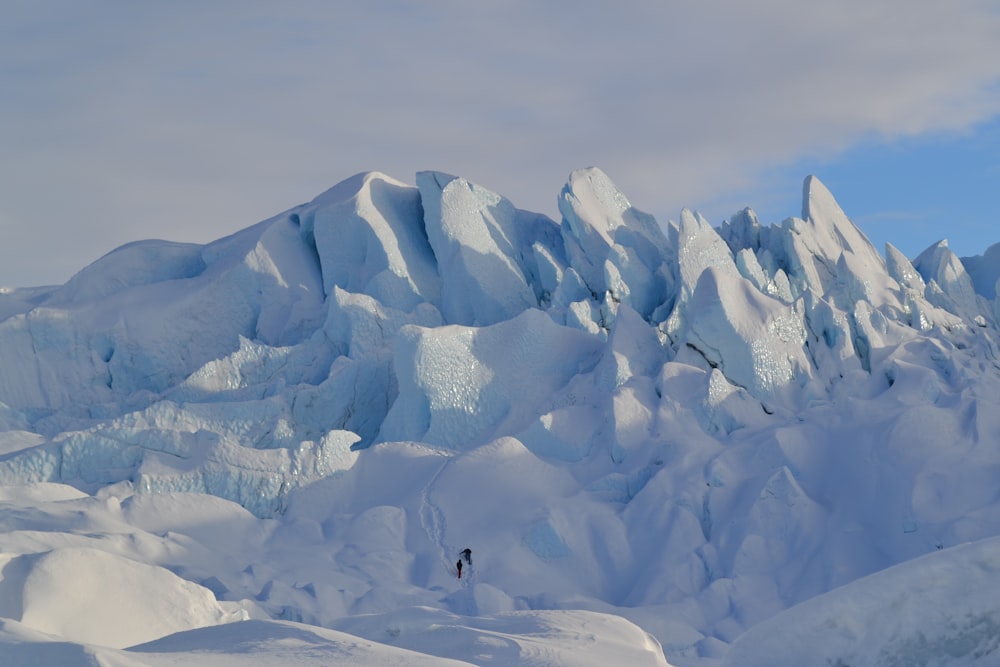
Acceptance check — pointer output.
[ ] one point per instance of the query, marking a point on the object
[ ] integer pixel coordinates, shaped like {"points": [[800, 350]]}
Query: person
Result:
{"points": [[467, 555], [459, 565]]}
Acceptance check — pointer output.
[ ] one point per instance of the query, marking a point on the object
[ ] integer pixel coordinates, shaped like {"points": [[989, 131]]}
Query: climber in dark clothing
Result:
{"points": [[465, 554]]}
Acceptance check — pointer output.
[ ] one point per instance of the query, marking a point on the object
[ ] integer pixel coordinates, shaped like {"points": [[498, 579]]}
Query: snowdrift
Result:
{"points": [[661, 441], [938, 609]]}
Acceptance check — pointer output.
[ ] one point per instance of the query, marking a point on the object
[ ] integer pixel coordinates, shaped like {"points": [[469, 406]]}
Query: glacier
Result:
{"points": [[715, 440]]}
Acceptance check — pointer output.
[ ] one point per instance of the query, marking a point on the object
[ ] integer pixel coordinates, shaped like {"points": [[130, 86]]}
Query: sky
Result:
{"points": [[188, 121]]}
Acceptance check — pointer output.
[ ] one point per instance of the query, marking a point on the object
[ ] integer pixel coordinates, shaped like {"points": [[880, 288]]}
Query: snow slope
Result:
{"points": [[662, 442]]}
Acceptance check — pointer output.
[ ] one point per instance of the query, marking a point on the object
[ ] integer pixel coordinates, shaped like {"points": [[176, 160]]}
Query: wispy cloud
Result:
{"points": [[882, 217], [185, 120]]}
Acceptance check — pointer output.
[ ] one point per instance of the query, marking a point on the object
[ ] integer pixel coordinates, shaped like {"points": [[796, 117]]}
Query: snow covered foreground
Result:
{"points": [[751, 445]]}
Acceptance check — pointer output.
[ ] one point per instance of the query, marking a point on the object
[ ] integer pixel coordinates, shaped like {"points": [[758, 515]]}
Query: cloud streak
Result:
{"points": [[188, 122]]}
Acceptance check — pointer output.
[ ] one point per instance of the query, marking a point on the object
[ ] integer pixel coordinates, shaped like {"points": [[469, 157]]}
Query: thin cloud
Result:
{"points": [[883, 217]]}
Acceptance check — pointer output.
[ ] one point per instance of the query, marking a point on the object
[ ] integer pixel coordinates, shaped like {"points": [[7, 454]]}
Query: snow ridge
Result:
{"points": [[691, 427]]}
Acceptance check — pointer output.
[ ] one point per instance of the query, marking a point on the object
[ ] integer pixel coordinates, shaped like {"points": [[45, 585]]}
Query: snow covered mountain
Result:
{"points": [[661, 442]]}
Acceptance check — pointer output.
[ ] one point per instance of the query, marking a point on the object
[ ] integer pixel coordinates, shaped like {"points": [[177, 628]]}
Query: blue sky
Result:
{"points": [[913, 191], [188, 121]]}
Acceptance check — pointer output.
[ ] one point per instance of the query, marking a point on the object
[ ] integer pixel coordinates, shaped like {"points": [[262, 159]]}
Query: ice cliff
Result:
{"points": [[371, 294], [763, 399]]}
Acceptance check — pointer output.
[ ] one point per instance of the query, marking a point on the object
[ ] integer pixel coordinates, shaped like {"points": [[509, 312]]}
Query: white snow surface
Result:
{"points": [[663, 443]]}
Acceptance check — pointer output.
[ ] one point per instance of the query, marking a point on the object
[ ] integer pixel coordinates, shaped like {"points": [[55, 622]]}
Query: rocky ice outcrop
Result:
{"points": [[755, 341], [618, 250], [441, 312], [948, 284], [462, 386], [368, 235]]}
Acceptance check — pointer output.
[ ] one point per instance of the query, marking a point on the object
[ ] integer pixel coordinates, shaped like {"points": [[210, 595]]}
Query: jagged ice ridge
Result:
{"points": [[693, 428]]}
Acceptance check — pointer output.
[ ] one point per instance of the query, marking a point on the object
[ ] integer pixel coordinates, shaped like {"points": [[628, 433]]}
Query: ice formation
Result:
{"points": [[689, 427]]}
